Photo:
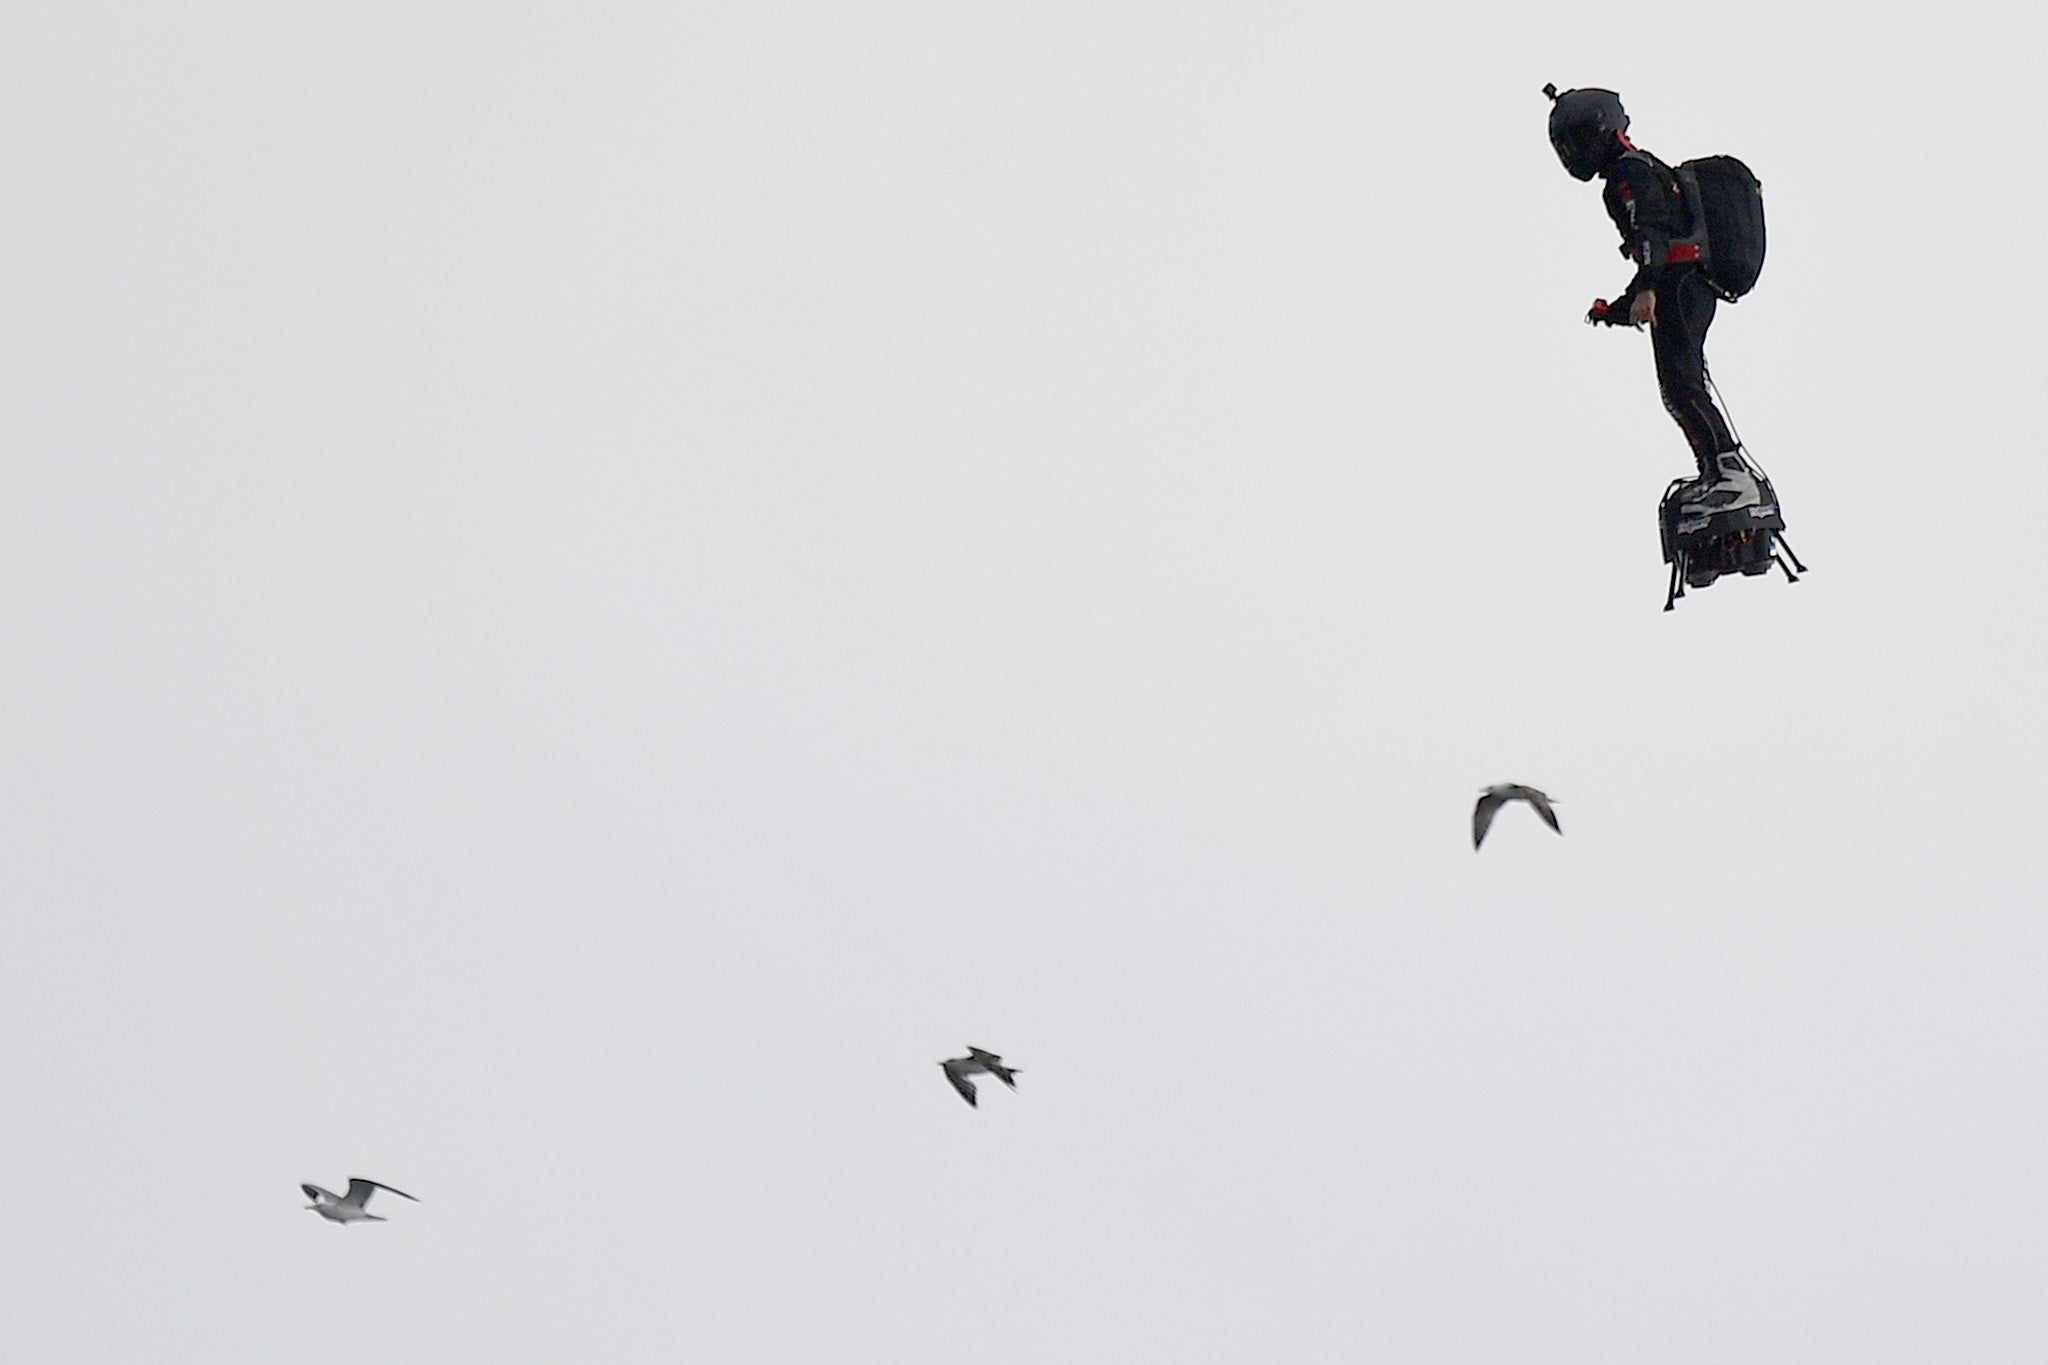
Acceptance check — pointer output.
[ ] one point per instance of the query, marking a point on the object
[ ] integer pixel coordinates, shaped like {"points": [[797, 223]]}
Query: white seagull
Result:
{"points": [[348, 1208], [1493, 798], [958, 1069]]}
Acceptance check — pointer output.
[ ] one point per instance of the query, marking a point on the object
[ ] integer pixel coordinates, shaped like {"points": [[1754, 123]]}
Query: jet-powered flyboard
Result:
{"points": [[1733, 525]]}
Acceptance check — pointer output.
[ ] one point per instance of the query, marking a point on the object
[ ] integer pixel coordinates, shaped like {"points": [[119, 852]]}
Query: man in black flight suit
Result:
{"points": [[1589, 131]]}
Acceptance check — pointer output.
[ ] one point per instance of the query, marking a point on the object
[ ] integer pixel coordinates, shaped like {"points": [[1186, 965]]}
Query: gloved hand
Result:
{"points": [[1614, 314]]}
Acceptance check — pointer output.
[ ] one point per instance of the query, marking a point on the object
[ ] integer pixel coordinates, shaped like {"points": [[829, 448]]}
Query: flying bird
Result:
{"points": [[1493, 798], [958, 1069], [348, 1208]]}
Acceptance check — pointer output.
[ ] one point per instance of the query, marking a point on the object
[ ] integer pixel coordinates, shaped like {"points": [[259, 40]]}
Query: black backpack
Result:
{"points": [[1726, 205]]}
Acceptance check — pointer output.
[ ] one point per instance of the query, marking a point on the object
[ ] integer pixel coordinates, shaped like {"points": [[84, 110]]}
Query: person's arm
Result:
{"points": [[1633, 197], [1646, 238]]}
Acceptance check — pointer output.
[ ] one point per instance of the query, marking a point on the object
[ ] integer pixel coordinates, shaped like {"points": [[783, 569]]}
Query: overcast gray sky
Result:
{"points": [[588, 590]]}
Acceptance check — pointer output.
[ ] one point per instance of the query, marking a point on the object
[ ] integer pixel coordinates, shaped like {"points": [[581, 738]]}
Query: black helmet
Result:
{"points": [[1583, 124]]}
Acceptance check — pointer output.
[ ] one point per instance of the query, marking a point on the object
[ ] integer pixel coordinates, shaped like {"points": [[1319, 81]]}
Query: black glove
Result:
{"points": [[1613, 314]]}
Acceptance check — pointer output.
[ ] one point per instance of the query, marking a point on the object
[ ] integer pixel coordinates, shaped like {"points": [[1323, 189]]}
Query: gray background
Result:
{"points": [[590, 590]]}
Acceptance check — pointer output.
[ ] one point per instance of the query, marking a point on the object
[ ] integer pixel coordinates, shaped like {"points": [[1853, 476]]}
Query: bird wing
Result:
{"points": [[961, 1083], [1482, 815], [985, 1057], [360, 1190], [316, 1194], [1542, 805]]}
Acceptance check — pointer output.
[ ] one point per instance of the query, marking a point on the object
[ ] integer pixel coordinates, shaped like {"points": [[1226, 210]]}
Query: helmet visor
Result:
{"points": [[1585, 148]]}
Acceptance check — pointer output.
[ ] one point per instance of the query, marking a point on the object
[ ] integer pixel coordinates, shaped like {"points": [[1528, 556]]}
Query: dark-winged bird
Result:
{"points": [[958, 1069], [1493, 798], [348, 1208]]}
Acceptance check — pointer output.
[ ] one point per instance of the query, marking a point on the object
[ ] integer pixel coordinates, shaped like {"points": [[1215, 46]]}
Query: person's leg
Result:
{"points": [[1679, 343]]}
